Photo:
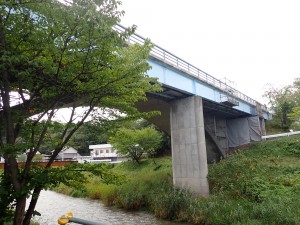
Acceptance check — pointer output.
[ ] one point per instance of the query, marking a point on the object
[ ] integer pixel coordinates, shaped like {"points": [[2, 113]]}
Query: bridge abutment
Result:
{"points": [[188, 145]]}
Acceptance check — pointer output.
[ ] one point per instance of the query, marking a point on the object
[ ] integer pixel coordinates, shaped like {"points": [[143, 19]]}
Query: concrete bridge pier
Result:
{"points": [[188, 145]]}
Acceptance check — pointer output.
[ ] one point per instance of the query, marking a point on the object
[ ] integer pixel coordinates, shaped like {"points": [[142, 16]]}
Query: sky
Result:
{"points": [[253, 43]]}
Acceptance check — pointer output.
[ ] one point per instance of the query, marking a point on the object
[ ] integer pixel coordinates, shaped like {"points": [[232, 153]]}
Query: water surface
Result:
{"points": [[52, 205]]}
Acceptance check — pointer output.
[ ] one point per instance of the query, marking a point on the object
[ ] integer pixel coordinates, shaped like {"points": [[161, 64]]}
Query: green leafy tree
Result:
{"points": [[295, 114], [295, 117], [141, 123], [281, 101], [134, 143], [55, 55], [296, 90]]}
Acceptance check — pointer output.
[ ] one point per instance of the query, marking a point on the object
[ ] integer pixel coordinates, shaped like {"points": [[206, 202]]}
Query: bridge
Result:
{"points": [[205, 116]]}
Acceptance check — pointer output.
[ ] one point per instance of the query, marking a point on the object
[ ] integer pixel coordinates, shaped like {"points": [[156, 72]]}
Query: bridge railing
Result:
{"points": [[169, 58]]}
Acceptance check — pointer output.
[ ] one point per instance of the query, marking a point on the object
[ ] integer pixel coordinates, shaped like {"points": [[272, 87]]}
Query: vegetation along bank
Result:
{"points": [[260, 185]]}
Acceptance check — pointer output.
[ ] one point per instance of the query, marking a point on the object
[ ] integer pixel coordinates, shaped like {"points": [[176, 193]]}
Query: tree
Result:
{"points": [[295, 114], [281, 102], [285, 105], [141, 123], [134, 143], [57, 55]]}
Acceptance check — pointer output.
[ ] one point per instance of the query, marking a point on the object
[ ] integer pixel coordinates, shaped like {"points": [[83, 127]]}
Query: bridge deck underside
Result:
{"points": [[161, 102], [221, 110]]}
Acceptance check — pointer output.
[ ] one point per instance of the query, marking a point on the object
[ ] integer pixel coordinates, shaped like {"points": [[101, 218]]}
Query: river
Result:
{"points": [[52, 205]]}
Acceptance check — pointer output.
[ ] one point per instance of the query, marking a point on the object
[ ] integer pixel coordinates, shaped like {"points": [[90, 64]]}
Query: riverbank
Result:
{"points": [[260, 185]]}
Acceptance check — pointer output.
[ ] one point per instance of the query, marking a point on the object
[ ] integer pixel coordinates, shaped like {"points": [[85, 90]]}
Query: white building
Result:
{"points": [[68, 154], [104, 153]]}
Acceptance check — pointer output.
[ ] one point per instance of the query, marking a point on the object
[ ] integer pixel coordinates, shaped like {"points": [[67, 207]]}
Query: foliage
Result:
{"points": [[90, 133], [169, 202], [51, 138], [6, 198], [281, 103], [284, 103], [295, 126], [141, 123], [295, 114], [56, 55], [134, 143], [135, 124]]}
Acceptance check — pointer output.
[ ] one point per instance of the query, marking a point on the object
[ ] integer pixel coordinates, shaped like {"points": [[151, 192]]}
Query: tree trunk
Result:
{"points": [[11, 165], [20, 211], [30, 210]]}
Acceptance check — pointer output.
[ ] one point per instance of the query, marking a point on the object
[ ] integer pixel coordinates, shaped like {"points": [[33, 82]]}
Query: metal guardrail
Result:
{"points": [[169, 58], [279, 135]]}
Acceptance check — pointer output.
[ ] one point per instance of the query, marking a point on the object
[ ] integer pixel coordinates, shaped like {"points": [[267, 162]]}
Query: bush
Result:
{"points": [[170, 203], [108, 194], [93, 191], [131, 197]]}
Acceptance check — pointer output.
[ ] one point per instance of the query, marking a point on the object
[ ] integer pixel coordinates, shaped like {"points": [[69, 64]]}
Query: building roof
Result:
{"points": [[68, 149], [100, 146]]}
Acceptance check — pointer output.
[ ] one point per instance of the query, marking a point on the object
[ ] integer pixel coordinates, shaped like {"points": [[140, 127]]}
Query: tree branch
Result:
{"points": [[67, 138]]}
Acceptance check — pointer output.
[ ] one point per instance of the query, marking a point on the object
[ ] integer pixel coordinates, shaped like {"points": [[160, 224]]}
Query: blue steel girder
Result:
{"points": [[180, 81]]}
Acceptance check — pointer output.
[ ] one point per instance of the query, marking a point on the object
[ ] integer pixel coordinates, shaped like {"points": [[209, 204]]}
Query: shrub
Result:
{"points": [[108, 193], [93, 191], [130, 196], [170, 203]]}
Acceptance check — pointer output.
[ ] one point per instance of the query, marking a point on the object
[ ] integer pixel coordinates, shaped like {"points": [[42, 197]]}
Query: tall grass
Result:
{"points": [[260, 185]]}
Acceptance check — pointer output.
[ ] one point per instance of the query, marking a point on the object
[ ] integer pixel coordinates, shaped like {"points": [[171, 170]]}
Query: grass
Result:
{"points": [[259, 185]]}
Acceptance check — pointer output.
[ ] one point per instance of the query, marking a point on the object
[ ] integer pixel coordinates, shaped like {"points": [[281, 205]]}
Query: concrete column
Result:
{"points": [[188, 145]]}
